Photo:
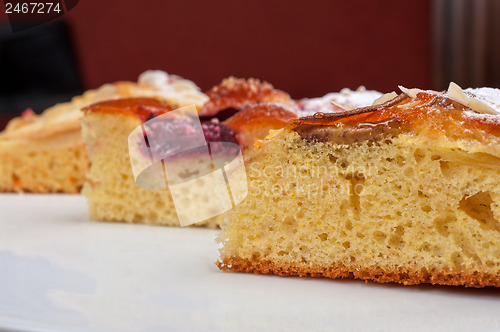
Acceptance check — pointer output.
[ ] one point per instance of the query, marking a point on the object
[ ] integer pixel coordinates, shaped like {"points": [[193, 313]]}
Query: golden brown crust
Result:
{"points": [[258, 115], [137, 107], [415, 277], [237, 93], [434, 114], [34, 127], [255, 121], [19, 188]]}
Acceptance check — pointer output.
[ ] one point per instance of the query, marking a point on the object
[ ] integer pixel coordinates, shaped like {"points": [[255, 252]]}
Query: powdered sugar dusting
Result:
{"points": [[489, 96], [490, 119], [175, 89], [346, 97], [154, 78]]}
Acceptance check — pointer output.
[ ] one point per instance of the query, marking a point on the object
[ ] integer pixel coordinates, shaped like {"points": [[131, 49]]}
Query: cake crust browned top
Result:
{"points": [[236, 93], [137, 107], [432, 113], [258, 114]]}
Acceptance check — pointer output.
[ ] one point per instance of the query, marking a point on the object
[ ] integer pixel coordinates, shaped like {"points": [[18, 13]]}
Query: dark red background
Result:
{"points": [[307, 48]]}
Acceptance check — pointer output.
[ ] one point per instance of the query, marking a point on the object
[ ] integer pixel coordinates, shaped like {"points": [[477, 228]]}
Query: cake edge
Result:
{"points": [[339, 270]]}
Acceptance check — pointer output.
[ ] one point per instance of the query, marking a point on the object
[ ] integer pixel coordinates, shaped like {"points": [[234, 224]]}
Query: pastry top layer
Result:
{"points": [[265, 113], [236, 93], [346, 99], [142, 108], [431, 113], [66, 117]]}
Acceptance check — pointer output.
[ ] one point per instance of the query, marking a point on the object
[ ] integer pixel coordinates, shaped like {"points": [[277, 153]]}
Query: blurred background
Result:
{"points": [[307, 48]]}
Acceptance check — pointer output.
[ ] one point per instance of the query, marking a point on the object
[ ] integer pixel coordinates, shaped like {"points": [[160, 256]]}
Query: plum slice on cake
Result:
{"points": [[407, 191]]}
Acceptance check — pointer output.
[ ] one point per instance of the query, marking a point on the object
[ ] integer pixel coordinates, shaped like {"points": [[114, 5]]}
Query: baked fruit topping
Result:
{"points": [[237, 93]]}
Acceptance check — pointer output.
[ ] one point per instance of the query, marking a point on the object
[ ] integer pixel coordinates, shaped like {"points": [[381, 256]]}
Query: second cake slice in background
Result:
{"points": [[111, 190]]}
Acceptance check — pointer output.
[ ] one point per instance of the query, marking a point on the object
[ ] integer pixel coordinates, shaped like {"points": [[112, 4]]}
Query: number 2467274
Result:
{"points": [[32, 8]]}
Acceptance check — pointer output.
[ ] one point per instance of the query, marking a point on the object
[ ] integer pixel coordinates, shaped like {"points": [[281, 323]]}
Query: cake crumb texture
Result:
{"points": [[408, 208], [111, 191]]}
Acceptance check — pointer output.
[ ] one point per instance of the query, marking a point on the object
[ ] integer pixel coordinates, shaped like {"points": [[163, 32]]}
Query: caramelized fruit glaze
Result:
{"points": [[434, 114]]}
